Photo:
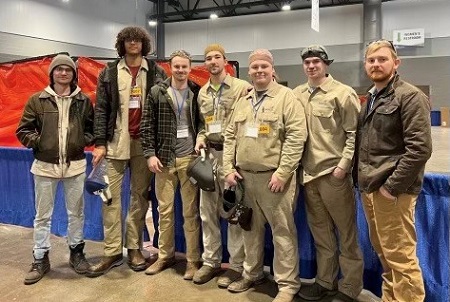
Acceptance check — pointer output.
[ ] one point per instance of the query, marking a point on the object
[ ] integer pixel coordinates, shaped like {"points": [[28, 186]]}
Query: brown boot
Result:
{"points": [[39, 268], [136, 260], [191, 268], [160, 265], [205, 273], [77, 259], [107, 263]]}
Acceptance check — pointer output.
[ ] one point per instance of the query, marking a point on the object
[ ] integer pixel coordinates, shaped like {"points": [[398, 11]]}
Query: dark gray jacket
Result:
{"points": [[394, 140]]}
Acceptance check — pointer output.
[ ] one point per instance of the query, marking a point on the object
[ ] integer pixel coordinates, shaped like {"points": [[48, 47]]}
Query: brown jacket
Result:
{"points": [[394, 139]]}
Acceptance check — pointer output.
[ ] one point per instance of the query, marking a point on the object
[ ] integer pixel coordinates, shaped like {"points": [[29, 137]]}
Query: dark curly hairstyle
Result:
{"points": [[135, 33]]}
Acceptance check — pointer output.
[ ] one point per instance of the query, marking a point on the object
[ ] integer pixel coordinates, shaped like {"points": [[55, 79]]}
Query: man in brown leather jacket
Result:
{"points": [[394, 136]]}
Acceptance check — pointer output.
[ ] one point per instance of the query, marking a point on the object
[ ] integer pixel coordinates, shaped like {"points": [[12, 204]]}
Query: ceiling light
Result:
{"points": [[213, 16], [152, 23], [286, 7]]}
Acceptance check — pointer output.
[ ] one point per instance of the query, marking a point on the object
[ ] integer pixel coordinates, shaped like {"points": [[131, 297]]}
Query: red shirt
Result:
{"points": [[134, 114]]}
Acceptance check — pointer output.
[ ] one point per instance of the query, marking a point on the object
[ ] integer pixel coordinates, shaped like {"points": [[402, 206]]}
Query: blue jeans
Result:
{"points": [[45, 191]]}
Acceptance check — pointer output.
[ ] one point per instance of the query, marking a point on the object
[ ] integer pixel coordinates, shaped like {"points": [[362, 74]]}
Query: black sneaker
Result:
{"points": [[314, 292]]}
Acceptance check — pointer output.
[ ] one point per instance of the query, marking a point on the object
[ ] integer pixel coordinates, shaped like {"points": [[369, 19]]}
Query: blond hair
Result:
{"points": [[376, 45]]}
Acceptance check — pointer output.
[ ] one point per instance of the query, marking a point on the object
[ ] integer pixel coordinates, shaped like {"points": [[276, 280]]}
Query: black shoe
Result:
{"points": [[107, 263], [77, 259], [39, 268], [341, 297], [314, 292]]}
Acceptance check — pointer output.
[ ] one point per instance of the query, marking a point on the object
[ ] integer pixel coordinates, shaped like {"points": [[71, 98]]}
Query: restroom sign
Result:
{"points": [[409, 37]]}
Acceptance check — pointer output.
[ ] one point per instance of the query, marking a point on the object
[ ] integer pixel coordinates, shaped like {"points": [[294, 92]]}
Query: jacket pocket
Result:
{"points": [[386, 119], [239, 124], [322, 119], [207, 109], [269, 120]]}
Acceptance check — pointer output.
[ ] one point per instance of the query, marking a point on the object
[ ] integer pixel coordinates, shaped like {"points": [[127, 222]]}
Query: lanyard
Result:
{"points": [[257, 105], [216, 99], [183, 97]]}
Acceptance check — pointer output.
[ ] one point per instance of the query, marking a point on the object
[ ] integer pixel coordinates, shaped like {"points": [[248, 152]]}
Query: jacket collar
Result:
{"points": [[272, 90], [76, 95], [386, 90], [123, 65], [325, 86], [226, 81]]}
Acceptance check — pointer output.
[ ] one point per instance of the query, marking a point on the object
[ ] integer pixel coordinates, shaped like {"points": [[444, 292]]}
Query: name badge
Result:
{"points": [[251, 130], [264, 129], [215, 127], [134, 103], [135, 97], [209, 119], [182, 132]]}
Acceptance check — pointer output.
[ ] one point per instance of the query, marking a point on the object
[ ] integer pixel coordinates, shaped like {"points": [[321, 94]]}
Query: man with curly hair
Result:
{"points": [[122, 88]]}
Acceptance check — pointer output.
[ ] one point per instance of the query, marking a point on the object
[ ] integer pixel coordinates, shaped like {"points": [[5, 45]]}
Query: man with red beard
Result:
{"points": [[331, 110], [216, 99], [394, 143]]}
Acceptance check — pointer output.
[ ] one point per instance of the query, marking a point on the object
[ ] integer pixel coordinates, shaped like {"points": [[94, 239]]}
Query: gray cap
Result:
{"points": [[61, 59], [316, 50]]}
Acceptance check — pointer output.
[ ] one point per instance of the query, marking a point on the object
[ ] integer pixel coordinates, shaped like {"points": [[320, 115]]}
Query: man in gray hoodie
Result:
{"points": [[57, 123]]}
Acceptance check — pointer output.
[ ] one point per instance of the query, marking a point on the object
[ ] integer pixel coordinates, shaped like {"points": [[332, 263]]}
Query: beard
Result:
{"points": [[378, 76], [215, 70]]}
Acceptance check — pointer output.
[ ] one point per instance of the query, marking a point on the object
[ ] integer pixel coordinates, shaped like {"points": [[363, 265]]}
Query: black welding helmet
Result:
{"points": [[233, 208], [200, 172]]}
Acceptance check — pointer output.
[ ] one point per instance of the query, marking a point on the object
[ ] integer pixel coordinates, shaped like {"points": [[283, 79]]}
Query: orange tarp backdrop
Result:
{"points": [[18, 81]]}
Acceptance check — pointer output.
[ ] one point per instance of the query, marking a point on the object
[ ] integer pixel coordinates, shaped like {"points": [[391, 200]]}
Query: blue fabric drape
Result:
{"points": [[432, 223]]}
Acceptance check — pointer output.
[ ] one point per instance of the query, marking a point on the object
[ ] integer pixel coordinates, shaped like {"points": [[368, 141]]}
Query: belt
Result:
{"points": [[216, 146], [258, 172]]}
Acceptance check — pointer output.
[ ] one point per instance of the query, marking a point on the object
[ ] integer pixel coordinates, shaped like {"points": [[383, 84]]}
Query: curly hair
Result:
{"points": [[134, 33]]}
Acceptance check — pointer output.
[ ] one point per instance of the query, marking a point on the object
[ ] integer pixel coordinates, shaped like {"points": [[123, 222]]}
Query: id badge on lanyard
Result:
{"points": [[135, 97], [252, 129], [182, 131]]}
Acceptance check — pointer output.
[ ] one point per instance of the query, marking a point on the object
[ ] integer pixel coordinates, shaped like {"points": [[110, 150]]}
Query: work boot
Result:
{"points": [[191, 269], [242, 284], [107, 263], [136, 261], [160, 265], [314, 292], [205, 273], [284, 297], [227, 278], [39, 268], [77, 259]]}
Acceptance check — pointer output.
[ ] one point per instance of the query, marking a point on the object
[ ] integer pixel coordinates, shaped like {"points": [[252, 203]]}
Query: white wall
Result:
{"points": [[92, 23], [432, 15], [285, 33], [282, 30]]}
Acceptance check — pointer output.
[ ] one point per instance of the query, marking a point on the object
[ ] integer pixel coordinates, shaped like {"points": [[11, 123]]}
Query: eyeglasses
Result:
{"points": [[383, 42], [61, 69]]}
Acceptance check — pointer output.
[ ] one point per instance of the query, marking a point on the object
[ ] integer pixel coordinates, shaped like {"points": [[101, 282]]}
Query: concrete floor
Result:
{"points": [[120, 284], [440, 158]]}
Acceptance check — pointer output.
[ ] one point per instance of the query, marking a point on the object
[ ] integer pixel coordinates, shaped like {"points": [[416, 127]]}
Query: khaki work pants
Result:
{"points": [[140, 178], [277, 209], [330, 206], [166, 184], [209, 212], [393, 237]]}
